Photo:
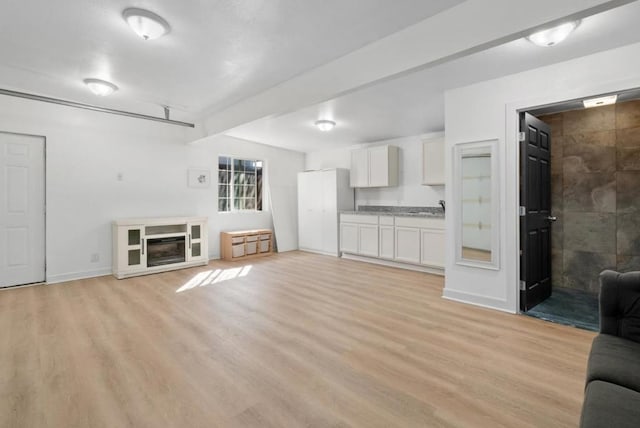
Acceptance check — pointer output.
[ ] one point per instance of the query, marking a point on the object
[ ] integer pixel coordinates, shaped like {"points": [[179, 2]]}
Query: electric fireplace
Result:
{"points": [[164, 251]]}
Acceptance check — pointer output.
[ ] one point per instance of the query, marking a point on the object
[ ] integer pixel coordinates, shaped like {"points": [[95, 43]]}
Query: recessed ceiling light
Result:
{"points": [[553, 36], [325, 125], [100, 87], [145, 24], [600, 101]]}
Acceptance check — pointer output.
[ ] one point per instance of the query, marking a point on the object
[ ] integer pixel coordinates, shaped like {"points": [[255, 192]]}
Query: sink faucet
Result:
{"points": [[441, 202]]}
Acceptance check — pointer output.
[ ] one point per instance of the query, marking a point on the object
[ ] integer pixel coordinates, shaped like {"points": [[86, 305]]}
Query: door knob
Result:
{"points": [[552, 218]]}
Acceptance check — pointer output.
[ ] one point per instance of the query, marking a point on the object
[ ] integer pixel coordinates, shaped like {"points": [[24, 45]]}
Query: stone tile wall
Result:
{"points": [[595, 185]]}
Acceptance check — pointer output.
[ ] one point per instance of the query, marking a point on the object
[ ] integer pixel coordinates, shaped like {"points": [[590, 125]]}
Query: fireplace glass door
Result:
{"points": [[164, 251]]}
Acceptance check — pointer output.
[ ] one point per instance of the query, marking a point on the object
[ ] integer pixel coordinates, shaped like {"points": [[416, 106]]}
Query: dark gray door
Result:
{"points": [[535, 215]]}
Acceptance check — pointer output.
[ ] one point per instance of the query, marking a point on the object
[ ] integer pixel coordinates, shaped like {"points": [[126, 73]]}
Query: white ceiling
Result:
{"points": [[218, 52], [414, 104]]}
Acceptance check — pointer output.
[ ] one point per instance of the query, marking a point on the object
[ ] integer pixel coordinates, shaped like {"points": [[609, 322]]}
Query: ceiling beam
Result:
{"points": [[470, 27]]}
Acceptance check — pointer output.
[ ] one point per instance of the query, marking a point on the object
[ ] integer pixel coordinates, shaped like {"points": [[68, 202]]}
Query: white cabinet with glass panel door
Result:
{"points": [[130, 251], [197, 244]]}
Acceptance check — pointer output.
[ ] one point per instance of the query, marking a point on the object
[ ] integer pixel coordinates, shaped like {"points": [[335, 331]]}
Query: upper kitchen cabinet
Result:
{"points": [[374, 167], [433, 162], [359, 174]]}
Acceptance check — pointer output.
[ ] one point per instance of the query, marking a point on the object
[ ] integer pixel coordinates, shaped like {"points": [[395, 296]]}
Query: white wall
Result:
{"points": [[488, 110], [409, 192], [87, 150]]}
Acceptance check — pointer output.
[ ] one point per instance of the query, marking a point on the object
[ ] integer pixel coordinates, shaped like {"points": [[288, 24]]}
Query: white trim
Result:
{"points": [[13, 287], [477, 300], [324, 253], [399, 265], [71, 276]]}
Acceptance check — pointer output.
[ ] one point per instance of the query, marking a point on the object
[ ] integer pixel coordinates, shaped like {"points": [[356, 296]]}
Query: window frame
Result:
{"points": [[232, 197]]}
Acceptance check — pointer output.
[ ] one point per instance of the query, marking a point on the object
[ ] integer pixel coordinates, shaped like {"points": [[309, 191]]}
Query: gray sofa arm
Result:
{"points": [[620, 304]]}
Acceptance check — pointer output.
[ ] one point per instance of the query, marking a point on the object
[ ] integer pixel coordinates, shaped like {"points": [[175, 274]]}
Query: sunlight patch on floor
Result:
{"points": [[210, 277]]}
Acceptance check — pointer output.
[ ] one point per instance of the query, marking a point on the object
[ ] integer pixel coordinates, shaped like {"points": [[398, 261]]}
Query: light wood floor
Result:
{"points": [[297, 340]]}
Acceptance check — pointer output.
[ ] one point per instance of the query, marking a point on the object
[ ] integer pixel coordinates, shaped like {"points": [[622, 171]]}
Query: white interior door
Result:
{"points": [[22, 233]]}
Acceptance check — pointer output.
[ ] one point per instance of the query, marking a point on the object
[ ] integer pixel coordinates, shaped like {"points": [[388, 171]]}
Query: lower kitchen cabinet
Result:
{"points": [[407, 244], [368, 240], [387, 242], [349, 237], [400, 240], [432, 247]]}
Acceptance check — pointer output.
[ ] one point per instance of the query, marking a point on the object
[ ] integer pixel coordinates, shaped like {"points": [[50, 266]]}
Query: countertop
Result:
{"points": [[430, 212]]}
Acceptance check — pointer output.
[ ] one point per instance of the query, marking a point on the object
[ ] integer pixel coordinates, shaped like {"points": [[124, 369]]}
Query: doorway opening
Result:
{"points": [[594, 196]]}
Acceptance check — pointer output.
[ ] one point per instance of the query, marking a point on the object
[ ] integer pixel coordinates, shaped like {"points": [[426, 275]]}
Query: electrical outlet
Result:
{"points": [[120, 176], [95, 257]]}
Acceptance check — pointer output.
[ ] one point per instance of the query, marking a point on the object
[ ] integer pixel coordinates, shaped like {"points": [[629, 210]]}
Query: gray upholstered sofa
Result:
{"points": [[612, 394]]}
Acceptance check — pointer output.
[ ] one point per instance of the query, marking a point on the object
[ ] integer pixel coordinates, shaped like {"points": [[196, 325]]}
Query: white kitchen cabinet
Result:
{"points": [[374, 166], [433, 162], [359, 234], [412, 242], [321, 195], [431, 239], [368, 240], [407, 244], [359, 174], [349, 237], [386, 242], [432, 247]]}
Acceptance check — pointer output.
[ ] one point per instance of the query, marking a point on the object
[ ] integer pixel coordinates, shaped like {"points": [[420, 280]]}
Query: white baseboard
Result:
{"points": [[474, 299], [324, 253], [390, 263], [71, 276]]}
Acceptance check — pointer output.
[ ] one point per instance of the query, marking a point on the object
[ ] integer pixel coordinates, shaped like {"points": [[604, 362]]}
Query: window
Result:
{"points": [[239, 184]]}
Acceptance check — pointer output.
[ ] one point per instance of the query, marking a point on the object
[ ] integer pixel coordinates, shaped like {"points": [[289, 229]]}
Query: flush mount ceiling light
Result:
{"points": [[100, 87], [600, 101], [325, 125], [145, 24], [553, 36]]}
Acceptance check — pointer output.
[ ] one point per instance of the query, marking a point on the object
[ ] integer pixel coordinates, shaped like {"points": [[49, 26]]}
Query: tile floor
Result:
{"points": [[567, 306]]}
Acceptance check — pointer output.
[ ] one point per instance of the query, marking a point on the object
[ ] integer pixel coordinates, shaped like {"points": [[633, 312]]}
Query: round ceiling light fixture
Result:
{"points": [[553, 36], [146, 24], [325, 125], [100, 87]]}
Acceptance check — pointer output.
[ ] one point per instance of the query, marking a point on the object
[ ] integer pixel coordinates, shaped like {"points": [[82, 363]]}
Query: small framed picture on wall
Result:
{"points": [[199, 178]]}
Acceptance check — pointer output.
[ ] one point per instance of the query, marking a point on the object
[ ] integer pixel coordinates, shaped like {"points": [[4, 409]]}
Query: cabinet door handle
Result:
{"points": [[142, 245], [189, 241]]}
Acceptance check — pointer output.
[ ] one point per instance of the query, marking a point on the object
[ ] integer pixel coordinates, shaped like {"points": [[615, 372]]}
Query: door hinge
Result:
{"points": [[522, 137], [522, 211], [523, 285]]}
